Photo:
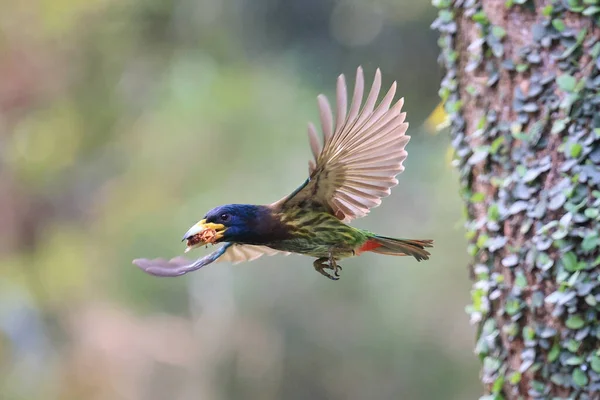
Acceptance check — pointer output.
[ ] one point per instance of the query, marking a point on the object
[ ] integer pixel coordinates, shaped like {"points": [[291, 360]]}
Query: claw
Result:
{"points": [[333, 264], [336, 273], [320, 264], [323, 263], [333, 278]]}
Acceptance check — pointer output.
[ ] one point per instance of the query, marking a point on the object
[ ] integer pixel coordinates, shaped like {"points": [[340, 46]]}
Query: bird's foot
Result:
{"points": [[333, 264], [323, 263]]}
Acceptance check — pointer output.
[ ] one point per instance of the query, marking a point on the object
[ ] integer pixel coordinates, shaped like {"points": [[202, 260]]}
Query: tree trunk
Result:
{"points": [[522, 89]]}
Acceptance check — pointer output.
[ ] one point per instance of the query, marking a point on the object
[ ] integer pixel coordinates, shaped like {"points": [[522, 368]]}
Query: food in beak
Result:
{"points": [[207, 236]]}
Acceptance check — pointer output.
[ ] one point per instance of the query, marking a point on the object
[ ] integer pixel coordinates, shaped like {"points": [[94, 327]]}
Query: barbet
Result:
{"points": [[354, 168]]}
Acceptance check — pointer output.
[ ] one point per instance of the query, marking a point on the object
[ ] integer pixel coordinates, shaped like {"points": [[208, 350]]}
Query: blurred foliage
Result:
{"points": [[121, 123]]}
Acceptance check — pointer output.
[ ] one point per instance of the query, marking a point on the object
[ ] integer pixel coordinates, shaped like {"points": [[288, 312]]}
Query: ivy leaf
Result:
{"points": [[554, 352], [520, 281], [496, 144], [515, 378], [595, 363], [512, 307], [570, 261], [576, 149], [591, 10], [558, 126], [559, 379], [591, 213], [574, 322], [574, 360], [573, 345], [558, 24], [580, 378], [477, 197], [480, 17], [446, 16], [498, 31], [498, 384], [522, 67], [566, 82], [590, 241], [574, 5]]}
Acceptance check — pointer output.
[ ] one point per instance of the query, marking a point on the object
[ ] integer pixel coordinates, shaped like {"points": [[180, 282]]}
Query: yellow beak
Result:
{"points": [[201, 227]]}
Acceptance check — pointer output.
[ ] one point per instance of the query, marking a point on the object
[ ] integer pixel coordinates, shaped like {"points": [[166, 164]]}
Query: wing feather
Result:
{"points": [[326, 117], [238, 253], [370, 103], [315, 146], [342, 103], [359, 158], [359, 88]]}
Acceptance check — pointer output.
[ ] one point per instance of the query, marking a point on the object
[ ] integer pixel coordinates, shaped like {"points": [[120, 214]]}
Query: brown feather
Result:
{"points": [[356, 164]]}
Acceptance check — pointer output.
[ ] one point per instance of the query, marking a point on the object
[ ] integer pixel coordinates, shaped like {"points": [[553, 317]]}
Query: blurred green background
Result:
{"points": [[123, 122]]}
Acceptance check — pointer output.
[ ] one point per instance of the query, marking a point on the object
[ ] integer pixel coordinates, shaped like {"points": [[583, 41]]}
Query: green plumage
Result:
{"points": [[316, 233]]}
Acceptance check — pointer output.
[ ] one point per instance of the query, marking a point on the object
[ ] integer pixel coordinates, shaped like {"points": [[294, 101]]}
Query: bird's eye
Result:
{"points": [[224, 217]]}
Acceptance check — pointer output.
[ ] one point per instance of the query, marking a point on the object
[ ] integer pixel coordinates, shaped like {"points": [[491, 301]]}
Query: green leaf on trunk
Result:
{"points": [[574, 322], [566, 82], [580, 378]]}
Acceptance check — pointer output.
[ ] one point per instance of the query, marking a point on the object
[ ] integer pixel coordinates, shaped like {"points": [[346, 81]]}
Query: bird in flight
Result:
{"points": [[354, 167]]}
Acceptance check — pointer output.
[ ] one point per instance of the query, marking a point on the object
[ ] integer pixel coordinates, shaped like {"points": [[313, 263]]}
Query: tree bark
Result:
{"points": [[522, 89]]}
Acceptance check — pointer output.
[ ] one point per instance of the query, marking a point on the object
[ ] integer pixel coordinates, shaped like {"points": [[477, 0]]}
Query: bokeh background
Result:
{"points": [[122, 122]]}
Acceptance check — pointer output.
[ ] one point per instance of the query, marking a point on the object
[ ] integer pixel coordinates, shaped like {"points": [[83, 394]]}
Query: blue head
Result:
{"points": [[236, 223]]}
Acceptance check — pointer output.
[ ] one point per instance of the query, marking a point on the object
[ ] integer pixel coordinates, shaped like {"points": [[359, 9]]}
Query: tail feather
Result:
{"points": [[401, 247]]}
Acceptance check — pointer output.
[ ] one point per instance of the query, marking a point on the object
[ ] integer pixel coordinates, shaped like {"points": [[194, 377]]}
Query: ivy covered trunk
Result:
{"points": [[522, 89]]}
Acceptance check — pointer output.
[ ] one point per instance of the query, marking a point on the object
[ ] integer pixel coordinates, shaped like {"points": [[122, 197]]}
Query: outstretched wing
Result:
{"points": [[356, 165], [235, 253], [238, 253]]}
